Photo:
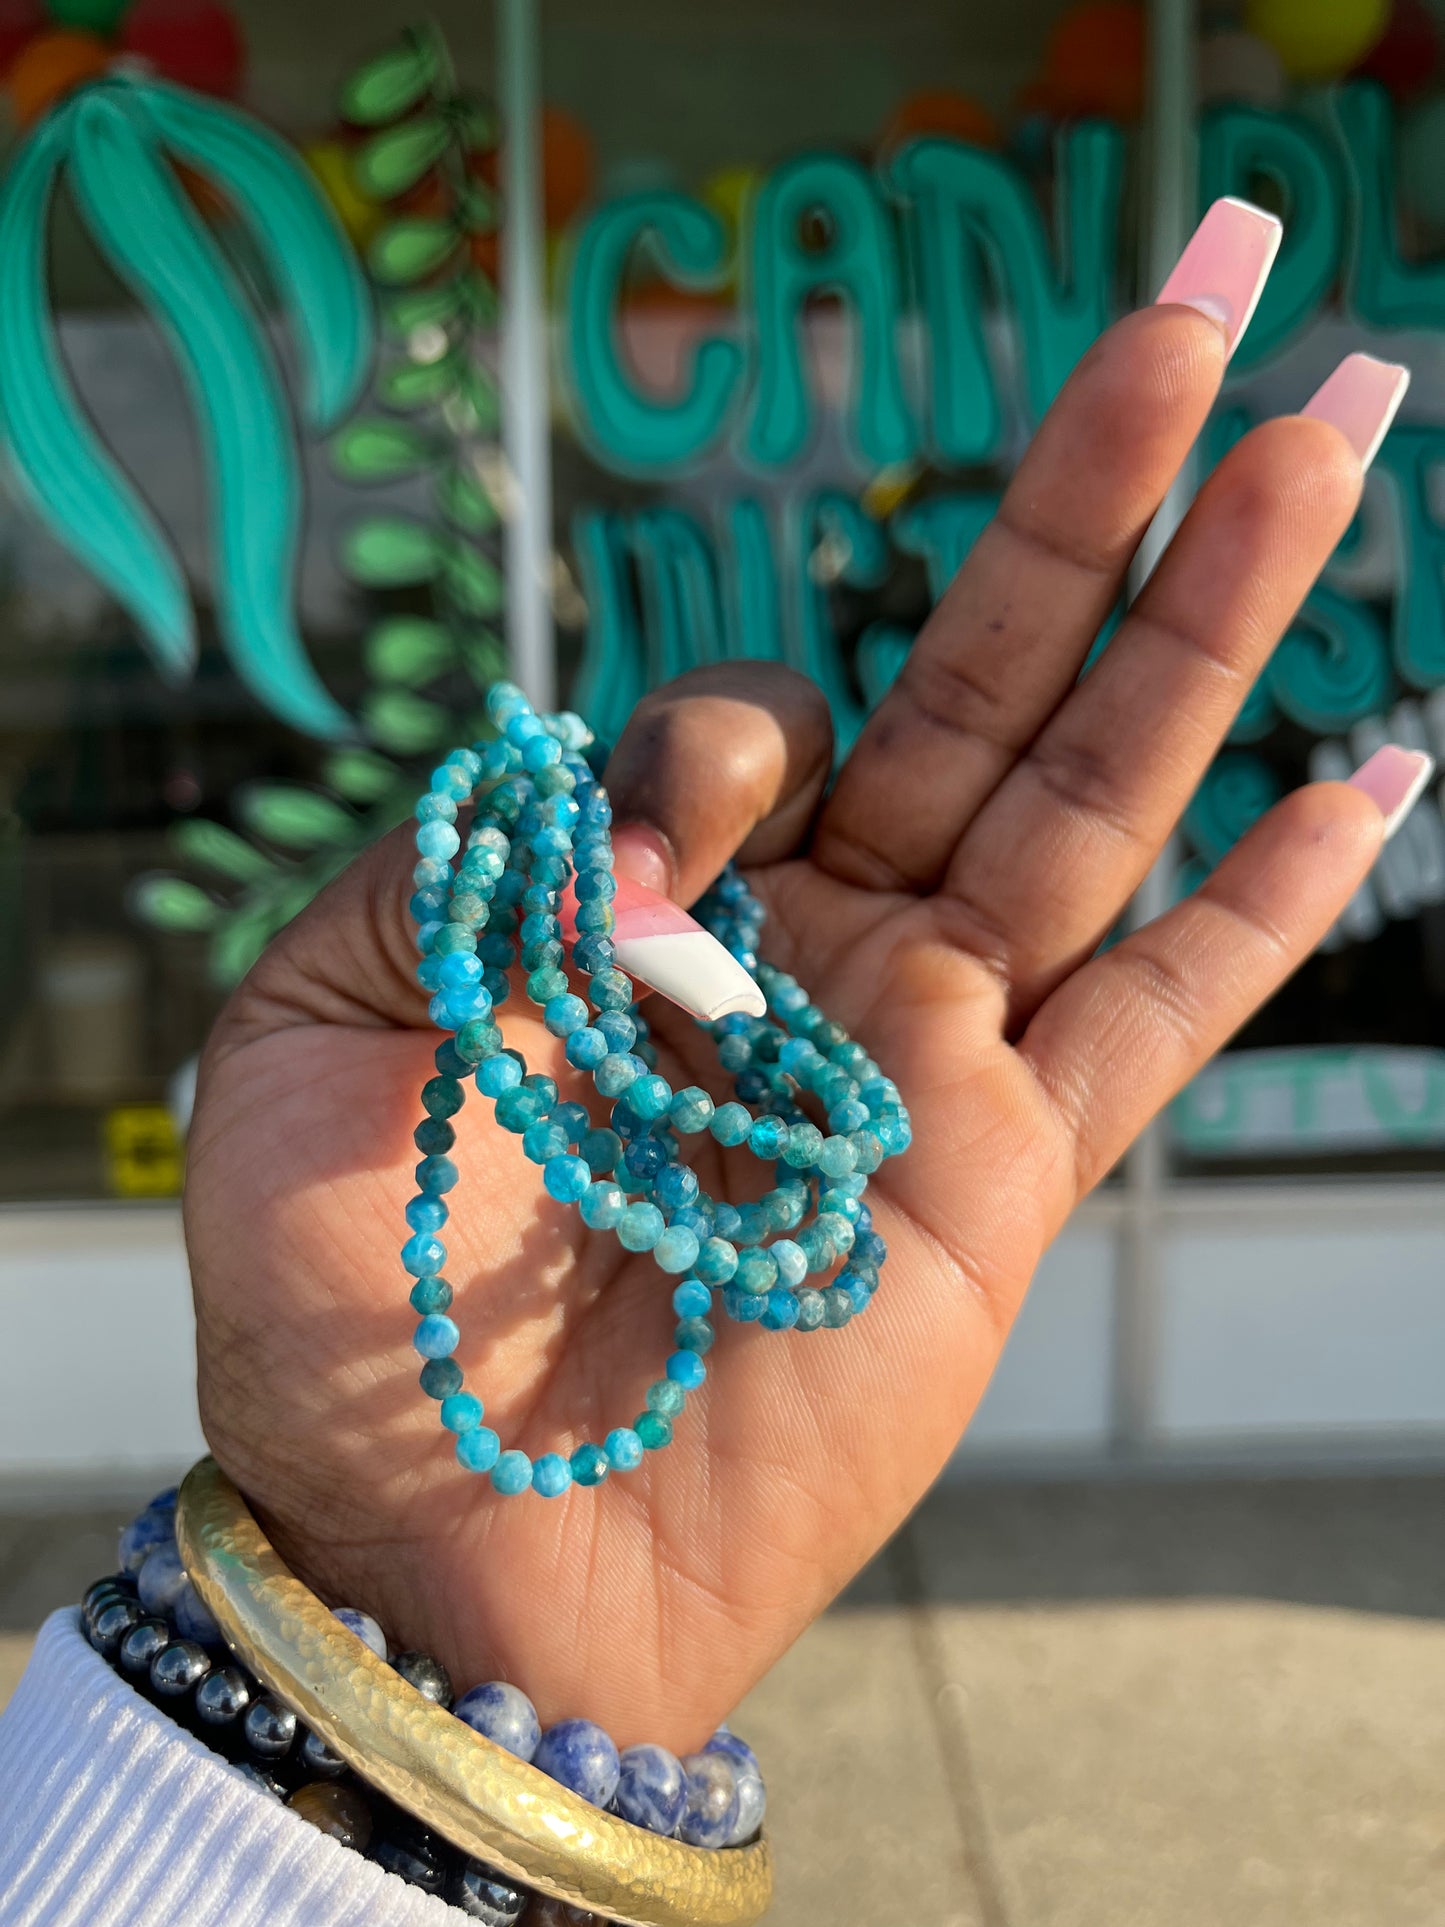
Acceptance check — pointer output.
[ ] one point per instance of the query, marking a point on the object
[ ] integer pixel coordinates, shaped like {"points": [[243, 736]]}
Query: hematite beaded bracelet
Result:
{"points": [[537, 869], [149, 1623]]}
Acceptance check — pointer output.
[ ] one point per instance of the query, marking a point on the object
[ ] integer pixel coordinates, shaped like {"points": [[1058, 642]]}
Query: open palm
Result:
{"points": [[945, 903]]}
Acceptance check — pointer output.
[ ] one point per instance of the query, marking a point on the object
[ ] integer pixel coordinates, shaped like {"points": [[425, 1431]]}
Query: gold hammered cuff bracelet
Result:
{"points": [[472, 1792]]}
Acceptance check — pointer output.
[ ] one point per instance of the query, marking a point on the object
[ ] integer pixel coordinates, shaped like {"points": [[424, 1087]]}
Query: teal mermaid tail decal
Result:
{"points": [[112, 143]]}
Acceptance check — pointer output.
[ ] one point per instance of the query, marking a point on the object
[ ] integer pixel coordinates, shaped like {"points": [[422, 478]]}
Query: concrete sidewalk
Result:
{"points": [[1083, 1705]]}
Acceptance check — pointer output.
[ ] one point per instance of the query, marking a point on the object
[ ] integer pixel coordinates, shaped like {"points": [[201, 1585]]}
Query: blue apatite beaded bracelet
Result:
{"points": [[541, 822]]}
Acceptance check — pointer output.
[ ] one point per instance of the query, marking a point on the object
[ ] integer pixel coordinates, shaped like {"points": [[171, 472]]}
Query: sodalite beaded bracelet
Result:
{"points": [[538, 846], [148, 1619]]}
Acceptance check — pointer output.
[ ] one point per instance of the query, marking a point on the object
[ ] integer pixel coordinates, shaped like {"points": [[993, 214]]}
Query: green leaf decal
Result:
{"points": [[389, 552], [411, 385], [360, 775], [423, 307], [170, 903], [394, 81], [377, 451], [241, 939], [54, 454], [486, 659], [300, 819], [127, 192], [395, 160], [465, 503], [475, 583], [409, 650], [405, 724], [214, 847], [309, 260], [410, 250]]}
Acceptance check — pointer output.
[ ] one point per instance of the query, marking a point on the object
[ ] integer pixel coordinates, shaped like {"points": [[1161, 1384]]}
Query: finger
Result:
{"points": [[1122, 1035], [1047, 865], [1005, 644], [729, 760]]}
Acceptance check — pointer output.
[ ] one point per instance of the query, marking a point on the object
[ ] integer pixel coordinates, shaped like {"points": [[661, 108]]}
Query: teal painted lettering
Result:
{"points": [[1238, 145], [756, 611], [942, 531], [610, 677], [677, 574], [625, 425], [854, 257], [976, 216], [1333, 667], [1385, 290], [837, 543]]}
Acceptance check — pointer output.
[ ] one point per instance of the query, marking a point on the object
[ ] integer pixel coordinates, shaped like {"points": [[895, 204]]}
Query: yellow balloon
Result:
{"points": [[330, 162], [1318, 39], [728, 191]]}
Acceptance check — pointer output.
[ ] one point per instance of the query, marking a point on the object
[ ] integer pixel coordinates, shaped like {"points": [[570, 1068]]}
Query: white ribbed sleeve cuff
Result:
{"points": [[112, 1816]]}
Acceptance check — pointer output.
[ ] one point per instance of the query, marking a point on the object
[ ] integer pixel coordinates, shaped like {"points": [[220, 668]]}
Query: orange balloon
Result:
{"points": [[1094, 61], [568, 165], [52, 65], [939, 111]]}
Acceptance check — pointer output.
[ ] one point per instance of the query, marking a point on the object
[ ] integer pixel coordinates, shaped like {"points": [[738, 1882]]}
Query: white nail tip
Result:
{"points": [[1411, 797], [694, 970]]}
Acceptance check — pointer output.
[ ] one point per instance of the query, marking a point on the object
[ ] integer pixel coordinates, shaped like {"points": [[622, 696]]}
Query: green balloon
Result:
{"points": [[89, 16]]}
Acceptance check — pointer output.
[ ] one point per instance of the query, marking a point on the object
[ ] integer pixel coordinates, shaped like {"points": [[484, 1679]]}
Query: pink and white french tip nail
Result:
{"points": [[1225, 265], [1361, 398], [659, 944], [1394, 779]]}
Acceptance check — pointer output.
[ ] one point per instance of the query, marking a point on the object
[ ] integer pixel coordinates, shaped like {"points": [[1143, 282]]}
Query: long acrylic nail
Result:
{"points": [[1223, 269], [656, 941], [1394, 779], [1361, 399]]}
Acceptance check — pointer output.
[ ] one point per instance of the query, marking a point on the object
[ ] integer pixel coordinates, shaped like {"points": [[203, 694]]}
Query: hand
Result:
{"points": [[945, 903]]}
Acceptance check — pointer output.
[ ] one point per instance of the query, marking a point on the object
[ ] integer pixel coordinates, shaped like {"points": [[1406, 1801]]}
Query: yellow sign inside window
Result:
{"points": [[143, 1154]]}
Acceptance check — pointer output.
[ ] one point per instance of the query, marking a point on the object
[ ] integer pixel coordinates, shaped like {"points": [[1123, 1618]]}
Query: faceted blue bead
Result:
{"points": [[436, 1173], [478, 1448], [691, 1109], [624, 1449], [869, 1248], [650, 1097], [423, 1255], [590, 1465], [551, 1475], [666, 1396], [687, 1370], [566, 1178], [782, 1312], [436, 1336], [617, 1072], [433, 1136], [442, 1097], [565, 1014], [717, 1261], [586, 1048], [440, 1377], [503, 1714], [429, 1295], [757, 1270], [747, 1307], [518, 1108], [459, 971], [579, 1755], [365, 1628], [573, 1118], [429, 972], [618, 1028], [602, 1205], [645, 1157], [694, 1335], [512, 1474], [601, 1149], [651, 1788], [691, 1299], [677, 1249], [544, 1140], [752, 1796], [640, 1227], [193, 1618], [767, 1137], [676, 1186], [498, 1074], [731, 1123], [462, 1412], [426, 1213], [790, 1260], [438, 840], [710, 1811]]}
